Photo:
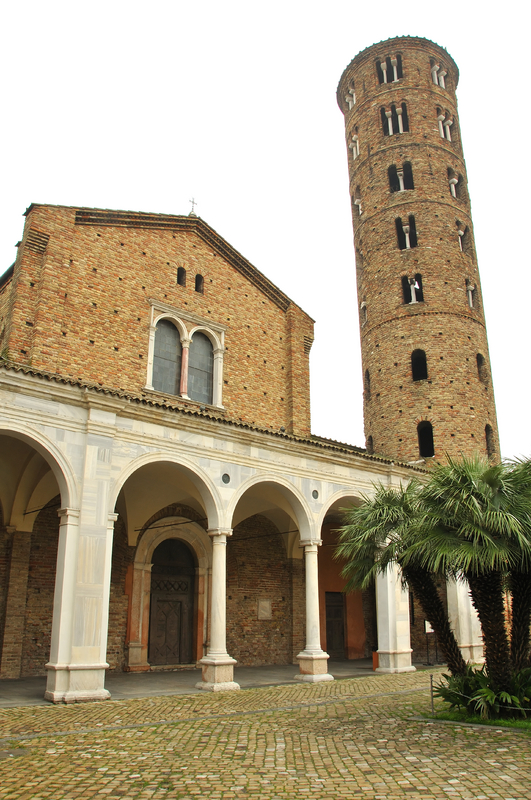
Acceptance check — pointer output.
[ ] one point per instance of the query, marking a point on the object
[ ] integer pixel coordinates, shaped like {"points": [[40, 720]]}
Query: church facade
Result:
{"points": [[164, 502]]}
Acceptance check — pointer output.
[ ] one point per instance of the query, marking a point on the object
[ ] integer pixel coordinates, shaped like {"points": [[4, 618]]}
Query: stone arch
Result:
{"points": [[347, 620], [174, 319], [205, 487], [283, 494], [55, 458], [214, 339]]}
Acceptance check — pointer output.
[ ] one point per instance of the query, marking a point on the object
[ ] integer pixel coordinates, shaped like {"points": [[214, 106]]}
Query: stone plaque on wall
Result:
{"points": [[264, 609]]}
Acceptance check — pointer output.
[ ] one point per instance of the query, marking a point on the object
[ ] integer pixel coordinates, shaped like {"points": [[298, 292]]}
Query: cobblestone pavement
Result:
{"points": [[347, 739]]}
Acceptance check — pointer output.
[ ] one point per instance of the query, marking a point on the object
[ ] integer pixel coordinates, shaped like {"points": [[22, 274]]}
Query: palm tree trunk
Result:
{"points": [[520, 584], [425, 590], [486, 591]]}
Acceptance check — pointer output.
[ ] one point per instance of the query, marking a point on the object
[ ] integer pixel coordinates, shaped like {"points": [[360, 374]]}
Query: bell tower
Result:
{"points": [[427, 380]]}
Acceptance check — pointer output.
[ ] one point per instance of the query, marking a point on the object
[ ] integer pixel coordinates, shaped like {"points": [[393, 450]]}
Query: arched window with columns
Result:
{"points": [[167, 357], [201, 369]]}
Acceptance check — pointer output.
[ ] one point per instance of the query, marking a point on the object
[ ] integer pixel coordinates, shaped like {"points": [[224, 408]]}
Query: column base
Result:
{"points": [[76, 683], [392, 661], [217, 674], [313, 667], [472, 653]]}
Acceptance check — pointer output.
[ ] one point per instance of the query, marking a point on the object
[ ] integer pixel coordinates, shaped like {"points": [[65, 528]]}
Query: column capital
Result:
{"points": [[67, 514], [213, 532], [310, 542]]}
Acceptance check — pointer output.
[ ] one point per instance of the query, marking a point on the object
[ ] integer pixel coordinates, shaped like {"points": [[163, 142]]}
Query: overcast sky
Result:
{"points": [[138, 106]]}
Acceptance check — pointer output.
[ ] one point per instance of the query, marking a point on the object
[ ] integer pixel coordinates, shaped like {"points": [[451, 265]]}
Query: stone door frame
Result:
{"points": [[139, 600]]}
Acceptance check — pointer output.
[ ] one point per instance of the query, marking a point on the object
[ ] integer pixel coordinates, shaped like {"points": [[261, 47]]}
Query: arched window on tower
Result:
{"points": [[483, 373], [445, 123], [350, 97], [425, 436], [489, 441], [412, 289], [400, 179], [472, 294], [438, 73], [456, 184], [367, 384], [357, 199], [201, 369], [419, 365], [406, 233], [389, 70], [181, 276], [394, 119], [354, 144], [370, 445], [167, 356], [465, 242], [199, 284]]}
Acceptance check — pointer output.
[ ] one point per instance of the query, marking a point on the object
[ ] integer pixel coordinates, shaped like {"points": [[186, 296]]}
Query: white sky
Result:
{"points": [[140, 106]]}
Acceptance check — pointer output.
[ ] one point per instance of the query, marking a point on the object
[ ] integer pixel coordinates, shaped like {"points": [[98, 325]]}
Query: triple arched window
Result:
{"points": [[394, 119], [185, 358]]}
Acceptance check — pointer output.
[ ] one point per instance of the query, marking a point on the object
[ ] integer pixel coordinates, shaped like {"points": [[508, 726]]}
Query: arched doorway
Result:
{"points": [[172, 604]]}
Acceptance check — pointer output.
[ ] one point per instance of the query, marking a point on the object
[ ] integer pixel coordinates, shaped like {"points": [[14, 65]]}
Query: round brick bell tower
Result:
{"points": [[427, 381]]}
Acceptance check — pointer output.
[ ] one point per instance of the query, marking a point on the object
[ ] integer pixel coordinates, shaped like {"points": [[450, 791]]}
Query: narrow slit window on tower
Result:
{"points": [[483, 373], [181, 276], [367, 384], [363, 313], [199, 284], [425, 437], [370, 445], [419, 365], [489, 441]]}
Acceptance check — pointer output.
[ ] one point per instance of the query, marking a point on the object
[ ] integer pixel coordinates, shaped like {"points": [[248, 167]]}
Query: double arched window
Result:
{"points": [[186, 363]]}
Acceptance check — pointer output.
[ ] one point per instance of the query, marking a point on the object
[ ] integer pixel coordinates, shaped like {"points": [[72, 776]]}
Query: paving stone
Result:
{"points": [[348, 739]]}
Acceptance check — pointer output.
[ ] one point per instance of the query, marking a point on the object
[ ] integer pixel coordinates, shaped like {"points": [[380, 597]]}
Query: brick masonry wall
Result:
{"points": [[122, 556], [81, 308], [5, 557], [257, 568], [40, 591], [420, 652], [453, 398]]}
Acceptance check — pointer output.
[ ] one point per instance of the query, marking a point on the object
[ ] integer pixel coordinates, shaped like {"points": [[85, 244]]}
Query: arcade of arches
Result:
{"points": [[126, 551]]}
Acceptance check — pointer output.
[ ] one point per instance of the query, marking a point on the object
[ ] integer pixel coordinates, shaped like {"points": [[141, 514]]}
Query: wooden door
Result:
{"points": [[335, 624], [172, 605]]}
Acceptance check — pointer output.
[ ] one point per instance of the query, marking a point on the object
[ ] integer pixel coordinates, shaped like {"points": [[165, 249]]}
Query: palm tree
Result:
{"points": [[379, 533], [476, 522]]}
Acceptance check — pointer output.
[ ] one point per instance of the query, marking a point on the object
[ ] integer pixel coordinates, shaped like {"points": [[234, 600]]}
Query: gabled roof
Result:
{"points": [[137, 219]]}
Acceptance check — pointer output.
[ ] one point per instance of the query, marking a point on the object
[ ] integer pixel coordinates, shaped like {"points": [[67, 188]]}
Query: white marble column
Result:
{"points": [[313, 661], [217, 665], [392, 613], [464, 621], [76, 670]]}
